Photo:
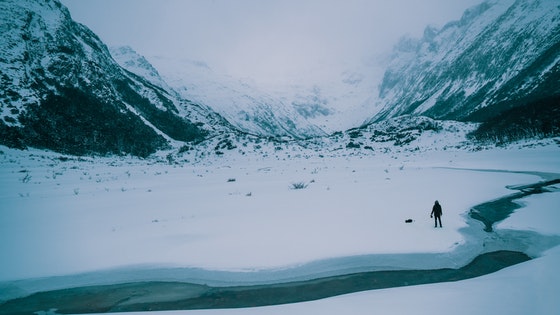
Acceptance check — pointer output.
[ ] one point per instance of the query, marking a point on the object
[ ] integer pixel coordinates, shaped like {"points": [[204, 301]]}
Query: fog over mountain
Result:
{"points": [[318, 58], [268, 42]]}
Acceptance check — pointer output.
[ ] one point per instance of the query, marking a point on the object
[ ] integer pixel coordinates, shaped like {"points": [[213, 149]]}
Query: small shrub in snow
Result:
{"points": [[184, 149], [355, 134], [170, 159], [299, 185], [26, 178]]}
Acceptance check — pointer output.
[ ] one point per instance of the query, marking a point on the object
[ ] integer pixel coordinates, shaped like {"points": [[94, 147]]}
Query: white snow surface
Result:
{"points": [[239, 214]]}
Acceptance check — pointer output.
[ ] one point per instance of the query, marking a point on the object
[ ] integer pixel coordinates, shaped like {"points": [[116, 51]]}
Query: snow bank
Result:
{"points": [[528, 288]]}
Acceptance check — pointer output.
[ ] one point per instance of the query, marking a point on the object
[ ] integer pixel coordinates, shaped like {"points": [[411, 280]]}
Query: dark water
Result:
{"points": [[498, 210], [151, 296]]}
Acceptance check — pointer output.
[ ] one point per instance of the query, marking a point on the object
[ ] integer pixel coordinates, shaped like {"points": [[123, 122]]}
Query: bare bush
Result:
{"points": [[299, 185]]}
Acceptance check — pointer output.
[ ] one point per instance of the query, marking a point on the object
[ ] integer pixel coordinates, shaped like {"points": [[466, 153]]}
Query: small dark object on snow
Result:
{"points": [[408, 221]]}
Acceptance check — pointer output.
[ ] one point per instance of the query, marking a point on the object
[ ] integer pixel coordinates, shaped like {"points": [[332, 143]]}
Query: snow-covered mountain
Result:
{"points": [[248, 108], [60, 89], [338, 101], [499, 55], [283, 110], [129, 59]]}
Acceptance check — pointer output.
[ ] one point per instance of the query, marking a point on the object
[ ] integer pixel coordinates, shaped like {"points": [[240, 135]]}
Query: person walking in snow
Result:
{"points": [[436, 213]]}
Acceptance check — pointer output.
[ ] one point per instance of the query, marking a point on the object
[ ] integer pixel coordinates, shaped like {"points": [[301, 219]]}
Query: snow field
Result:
{"points": [[230, 217], [63, 216]]}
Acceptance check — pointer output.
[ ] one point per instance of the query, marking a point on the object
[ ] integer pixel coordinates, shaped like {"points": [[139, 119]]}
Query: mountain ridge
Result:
{"points": [[466, 66], [248, 108], [62, 90]]}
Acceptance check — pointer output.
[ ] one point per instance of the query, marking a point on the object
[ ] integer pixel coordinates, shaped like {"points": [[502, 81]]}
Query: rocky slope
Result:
{"points": [[60, 89], [499, 55]]}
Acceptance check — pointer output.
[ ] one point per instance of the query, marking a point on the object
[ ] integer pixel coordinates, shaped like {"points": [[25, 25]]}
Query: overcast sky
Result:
{"points": [[262, 39]]}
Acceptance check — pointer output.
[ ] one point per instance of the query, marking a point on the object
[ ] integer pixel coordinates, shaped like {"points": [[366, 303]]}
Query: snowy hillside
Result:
{"points": [[400, 135], [61, 90], [249, 109], [337, 102], [297, 110], [500, 54], [133, 62]]}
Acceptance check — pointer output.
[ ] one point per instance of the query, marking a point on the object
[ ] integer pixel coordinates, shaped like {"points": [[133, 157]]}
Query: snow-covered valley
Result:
{"points": [[132, 183], [237, 218]]}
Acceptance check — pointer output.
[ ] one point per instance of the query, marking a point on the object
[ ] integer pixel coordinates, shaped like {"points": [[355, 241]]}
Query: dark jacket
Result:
{"points": [[436, 210]]}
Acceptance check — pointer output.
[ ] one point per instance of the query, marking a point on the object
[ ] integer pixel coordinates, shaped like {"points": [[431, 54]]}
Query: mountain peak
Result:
{"points": [[498, 51], [60, 89], [132, 61]]}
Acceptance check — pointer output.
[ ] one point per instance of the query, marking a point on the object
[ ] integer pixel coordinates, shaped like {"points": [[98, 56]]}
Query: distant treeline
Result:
{"points": [[80, 123], [534, 119]]}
